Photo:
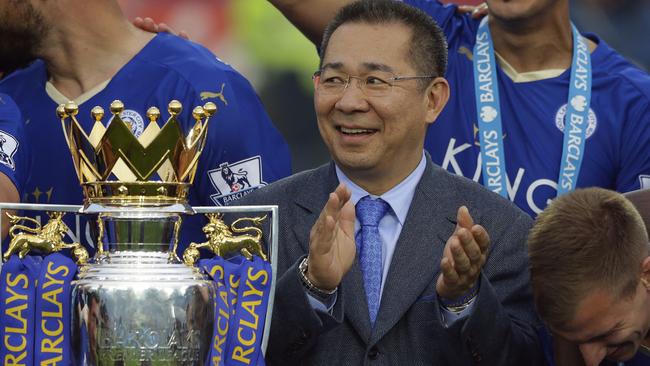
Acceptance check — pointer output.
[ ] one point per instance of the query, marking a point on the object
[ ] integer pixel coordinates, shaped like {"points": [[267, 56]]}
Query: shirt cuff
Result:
{"points": [[450, 317], [325, 306]]}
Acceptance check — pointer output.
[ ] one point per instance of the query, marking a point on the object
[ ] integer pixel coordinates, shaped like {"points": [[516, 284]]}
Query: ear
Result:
{"points": [[437, 97], [645, 273]]}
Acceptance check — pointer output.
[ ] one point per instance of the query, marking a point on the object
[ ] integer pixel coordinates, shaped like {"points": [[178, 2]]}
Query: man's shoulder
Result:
{"points": [[609, 63], [287, 189], [22, 79], [188, 60]]}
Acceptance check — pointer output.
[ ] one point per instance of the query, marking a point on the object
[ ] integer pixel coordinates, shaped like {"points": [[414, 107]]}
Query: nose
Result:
{"points": [[352, 99], [592, 353]]}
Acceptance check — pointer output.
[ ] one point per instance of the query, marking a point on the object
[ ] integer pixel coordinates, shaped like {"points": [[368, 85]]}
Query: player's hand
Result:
{"points": [[463, 258], [331, 241], [478, 11], [148, 24]]}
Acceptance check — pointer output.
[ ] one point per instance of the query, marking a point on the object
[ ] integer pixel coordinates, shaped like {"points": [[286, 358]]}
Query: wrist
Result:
{"points": [[308, 283], [461, 301]]}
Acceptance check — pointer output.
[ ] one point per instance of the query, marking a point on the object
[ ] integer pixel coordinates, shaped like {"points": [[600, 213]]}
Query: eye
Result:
{"points": [[334, 80], [376, 81]]}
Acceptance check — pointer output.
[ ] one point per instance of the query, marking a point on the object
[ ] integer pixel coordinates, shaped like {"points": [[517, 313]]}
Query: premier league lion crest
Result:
{"points": [[235, 180]]}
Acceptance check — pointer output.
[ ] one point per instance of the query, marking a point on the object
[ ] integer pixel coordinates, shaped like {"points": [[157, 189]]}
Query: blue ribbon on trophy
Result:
{"points": [[214, 268], [17, 305], [53, 301], [250, 315]]}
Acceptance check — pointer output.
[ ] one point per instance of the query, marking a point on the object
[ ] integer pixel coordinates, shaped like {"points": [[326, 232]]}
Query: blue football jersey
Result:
{"points": [[14, 157], [244, 151], [617, 149]]}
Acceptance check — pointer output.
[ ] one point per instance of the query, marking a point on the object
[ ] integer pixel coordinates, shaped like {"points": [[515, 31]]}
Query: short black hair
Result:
{"points": [[428, 51]]}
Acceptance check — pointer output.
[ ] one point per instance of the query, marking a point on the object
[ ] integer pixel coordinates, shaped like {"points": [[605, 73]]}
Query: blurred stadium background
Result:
{"points": [[254, 37]]}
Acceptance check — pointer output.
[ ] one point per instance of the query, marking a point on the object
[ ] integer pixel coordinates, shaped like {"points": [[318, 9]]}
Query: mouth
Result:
{"points": [[352, 131]]}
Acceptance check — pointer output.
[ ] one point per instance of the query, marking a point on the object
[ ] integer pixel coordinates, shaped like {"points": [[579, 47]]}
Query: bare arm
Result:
{"points": [[310, 16], [8, 194]]}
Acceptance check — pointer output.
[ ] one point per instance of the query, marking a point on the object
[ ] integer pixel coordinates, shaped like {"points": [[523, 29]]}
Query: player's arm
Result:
{"points": [[8, 194], [12, 159], [310, 16]]}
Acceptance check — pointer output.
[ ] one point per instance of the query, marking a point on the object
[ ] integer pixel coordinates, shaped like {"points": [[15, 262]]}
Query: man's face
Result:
{"points": [[607, 327], [522, 10], [22, 29], [379, 136]]}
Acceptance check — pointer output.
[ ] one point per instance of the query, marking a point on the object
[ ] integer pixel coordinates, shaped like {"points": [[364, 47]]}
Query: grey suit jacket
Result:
{"points": [[409, 329]]}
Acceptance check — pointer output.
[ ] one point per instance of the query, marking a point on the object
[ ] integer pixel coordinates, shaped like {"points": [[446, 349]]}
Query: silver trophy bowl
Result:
{"points": [[137, 304]]}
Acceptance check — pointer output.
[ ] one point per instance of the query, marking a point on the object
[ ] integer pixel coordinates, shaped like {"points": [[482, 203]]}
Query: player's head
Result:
{"points": [[379, 85], [590, 273], [427, 46], [22, 29]]}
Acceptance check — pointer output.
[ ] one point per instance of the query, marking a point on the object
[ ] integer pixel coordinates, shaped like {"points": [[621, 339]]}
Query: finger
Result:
{"points": [[184, 35], [470, 246], [482, 237], [343, 192], [463, 219], [138, 21], [449, 275], [323, 230], [164, 27], [462, 9], [346, 219], [461, 261], [480, 11], [149, 25]]}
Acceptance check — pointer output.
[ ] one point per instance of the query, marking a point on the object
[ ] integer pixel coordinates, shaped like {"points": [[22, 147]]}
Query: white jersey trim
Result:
{"points": [[59, 98]]}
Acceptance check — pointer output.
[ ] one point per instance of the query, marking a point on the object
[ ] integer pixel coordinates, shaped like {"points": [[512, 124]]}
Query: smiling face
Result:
{"points": [[376, 141], [609, 327]]}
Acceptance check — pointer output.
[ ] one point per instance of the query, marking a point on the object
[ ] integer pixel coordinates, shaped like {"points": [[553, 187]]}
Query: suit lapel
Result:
{"points": [[311, 200], [416, 260]]}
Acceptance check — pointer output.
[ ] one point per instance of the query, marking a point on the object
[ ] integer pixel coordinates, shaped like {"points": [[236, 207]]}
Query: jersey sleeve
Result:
{"points": [[244, 150], [634, 161], [13, 149], [454, 25]]}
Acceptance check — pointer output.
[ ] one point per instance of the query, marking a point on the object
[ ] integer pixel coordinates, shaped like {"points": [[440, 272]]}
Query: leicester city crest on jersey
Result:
{"points": [[579, 105], [134, 120], [235, 180], [8, 147]]}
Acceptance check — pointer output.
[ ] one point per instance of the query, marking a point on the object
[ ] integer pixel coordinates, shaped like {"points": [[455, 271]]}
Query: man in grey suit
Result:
{"points": [[426, 289]]}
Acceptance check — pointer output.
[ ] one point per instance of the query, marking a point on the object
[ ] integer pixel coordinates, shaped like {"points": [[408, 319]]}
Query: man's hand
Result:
{"points": [[331, 241], [478, 11], [148, 24], [464, 256]]}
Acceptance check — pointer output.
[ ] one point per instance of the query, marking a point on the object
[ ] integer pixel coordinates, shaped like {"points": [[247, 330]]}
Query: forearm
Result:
{"points": [[310, 16], [8, 194]]}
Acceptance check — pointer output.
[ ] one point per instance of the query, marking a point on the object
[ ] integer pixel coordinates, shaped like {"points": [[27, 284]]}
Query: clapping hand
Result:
{"points": [[463, 258], [331, 241]]}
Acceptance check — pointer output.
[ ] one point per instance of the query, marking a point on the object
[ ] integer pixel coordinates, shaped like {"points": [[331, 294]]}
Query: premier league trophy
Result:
{"points": [[136, 302]]}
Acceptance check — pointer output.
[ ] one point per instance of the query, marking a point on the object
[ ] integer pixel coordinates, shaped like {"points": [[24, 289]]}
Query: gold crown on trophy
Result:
{"points": [[117, 168]]}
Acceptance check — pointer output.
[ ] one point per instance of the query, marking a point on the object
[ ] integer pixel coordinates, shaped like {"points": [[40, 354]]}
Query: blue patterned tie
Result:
{"points": [[369, 211]]}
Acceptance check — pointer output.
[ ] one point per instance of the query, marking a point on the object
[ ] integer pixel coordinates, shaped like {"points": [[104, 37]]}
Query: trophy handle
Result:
{"points": [[177, 230], [100, 236]]}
